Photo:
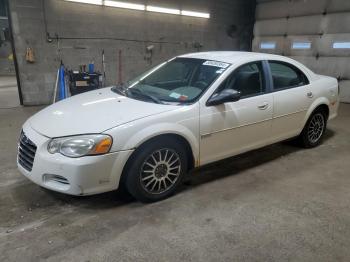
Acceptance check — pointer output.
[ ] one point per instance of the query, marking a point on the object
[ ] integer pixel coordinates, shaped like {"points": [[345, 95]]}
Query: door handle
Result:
{"points": [[309, 95], [263, 106]]}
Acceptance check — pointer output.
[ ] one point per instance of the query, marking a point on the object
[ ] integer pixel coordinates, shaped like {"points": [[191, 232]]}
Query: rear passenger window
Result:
{"points": [[248, 79], [286, 76]]}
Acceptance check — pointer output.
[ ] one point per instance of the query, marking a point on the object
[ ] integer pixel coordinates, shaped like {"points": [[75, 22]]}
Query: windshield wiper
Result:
{"points": [[120, 89], [138, 92]]}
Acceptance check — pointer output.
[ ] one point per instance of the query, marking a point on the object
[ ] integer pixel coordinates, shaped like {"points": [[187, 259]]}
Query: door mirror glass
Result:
{"points": [[226, 95]]}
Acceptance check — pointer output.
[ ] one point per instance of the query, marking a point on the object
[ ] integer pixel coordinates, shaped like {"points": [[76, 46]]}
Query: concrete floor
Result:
{"points": [[279, 203]]}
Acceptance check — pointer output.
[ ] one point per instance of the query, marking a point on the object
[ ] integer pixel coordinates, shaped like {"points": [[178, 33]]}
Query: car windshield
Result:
{"points": [[178, 81]]}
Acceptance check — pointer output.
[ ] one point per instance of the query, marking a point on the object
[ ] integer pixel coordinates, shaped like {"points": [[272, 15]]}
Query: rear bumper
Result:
{"points": [[333, 109], [75, 176]]}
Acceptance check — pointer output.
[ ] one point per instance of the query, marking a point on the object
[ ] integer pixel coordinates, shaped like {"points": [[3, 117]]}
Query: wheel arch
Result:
{"points": [[176, 137], [320, 104], [324, 108], [191, 157]]}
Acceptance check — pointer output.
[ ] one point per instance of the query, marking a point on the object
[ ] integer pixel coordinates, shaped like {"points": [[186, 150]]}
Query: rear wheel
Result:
{"points": [[156, 170], [314, 129]]}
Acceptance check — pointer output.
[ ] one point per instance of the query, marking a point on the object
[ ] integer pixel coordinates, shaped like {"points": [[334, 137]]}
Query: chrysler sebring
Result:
{"points": [[189, 111]]}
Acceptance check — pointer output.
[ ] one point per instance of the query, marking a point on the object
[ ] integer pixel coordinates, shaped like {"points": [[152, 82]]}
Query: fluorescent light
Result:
{"points": [[195, 14], [92, 2], [124, 5], [162, 10], [267, 45], [341, 45], [301, 45], [141, 7]]}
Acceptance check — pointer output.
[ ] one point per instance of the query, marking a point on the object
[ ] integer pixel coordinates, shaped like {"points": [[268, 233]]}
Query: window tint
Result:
{"points": [[248, 79], [286, 76]]}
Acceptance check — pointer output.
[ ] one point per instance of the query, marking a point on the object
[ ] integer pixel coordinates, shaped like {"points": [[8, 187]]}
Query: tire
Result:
{"points": [[314, 129], [155, 170]]}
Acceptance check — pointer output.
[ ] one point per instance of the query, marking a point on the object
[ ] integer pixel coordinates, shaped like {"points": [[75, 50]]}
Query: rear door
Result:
{"points": [[292, 97]]}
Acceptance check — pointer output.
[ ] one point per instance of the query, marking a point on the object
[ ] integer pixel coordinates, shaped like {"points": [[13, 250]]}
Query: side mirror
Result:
{"points": [[226, 95]]}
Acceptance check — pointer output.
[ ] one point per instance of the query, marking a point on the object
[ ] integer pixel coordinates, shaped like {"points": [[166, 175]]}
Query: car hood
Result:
{"points": [[92, 112]]}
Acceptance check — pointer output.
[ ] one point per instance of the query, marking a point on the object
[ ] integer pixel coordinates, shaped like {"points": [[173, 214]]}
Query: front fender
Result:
{"points": [[183, 122], [155, 130]]}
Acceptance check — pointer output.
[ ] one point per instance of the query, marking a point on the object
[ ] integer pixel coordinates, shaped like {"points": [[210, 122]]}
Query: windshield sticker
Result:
{"points": [[183, 98], [175, 95], [217, 64]]}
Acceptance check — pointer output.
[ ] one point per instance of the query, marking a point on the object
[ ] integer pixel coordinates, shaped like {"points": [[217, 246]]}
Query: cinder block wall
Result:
{"points": [[6, 65], [112, 29], [320, 22]]}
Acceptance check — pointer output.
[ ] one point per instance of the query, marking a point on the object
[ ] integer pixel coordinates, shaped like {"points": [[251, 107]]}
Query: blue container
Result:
{"points": [[91, 68], [62, 89]]}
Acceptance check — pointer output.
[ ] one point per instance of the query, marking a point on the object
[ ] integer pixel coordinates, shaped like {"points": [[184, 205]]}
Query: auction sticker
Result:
{"points": [[216, 63]]}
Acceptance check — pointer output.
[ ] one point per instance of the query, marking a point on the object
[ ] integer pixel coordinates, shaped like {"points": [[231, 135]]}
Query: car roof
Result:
{"points": [[231, 56], [239, 57]]}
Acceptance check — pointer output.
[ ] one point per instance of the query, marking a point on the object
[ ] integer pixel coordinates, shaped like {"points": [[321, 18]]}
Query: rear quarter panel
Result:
{"points": [[326, 91]]}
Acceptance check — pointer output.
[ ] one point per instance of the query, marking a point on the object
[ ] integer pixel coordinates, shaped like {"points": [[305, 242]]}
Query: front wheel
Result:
{"points": [[314, 130], [156, 170]]}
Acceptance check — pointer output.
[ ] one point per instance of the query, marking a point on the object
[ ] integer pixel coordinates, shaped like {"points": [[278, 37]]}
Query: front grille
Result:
{"points": [[26, 152]]}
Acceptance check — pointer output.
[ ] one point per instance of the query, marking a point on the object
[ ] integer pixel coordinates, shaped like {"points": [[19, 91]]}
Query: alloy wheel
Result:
{"points": [[316, 128], [160, 171]]}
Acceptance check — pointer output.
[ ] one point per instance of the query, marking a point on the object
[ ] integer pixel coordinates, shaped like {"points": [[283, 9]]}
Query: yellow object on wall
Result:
{"points": [[30, 55]]}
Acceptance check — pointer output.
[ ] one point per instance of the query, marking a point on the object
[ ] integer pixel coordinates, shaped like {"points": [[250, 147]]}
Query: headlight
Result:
{"points": [[77, 146]]}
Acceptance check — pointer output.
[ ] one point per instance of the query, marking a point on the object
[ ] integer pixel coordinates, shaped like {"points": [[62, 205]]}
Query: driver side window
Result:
{"points": [[249, 79]]}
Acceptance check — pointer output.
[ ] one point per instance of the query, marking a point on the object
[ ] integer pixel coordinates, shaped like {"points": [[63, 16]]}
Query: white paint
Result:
{"points": [[213, 132]]}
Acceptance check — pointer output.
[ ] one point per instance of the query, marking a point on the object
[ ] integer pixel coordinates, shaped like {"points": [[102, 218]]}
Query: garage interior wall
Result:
{"points": [[313, 26], [6, 62], [112, 29]]}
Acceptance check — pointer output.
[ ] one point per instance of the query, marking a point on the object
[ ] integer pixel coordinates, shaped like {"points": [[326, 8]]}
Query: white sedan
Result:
{"points": [[187, 112]]}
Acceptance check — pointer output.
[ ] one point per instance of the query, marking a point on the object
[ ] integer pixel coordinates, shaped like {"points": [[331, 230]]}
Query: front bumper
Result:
{"points": [[75, 176]]}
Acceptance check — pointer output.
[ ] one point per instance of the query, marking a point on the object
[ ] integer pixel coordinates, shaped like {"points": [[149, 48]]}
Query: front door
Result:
{"points": [[236, 127]]}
